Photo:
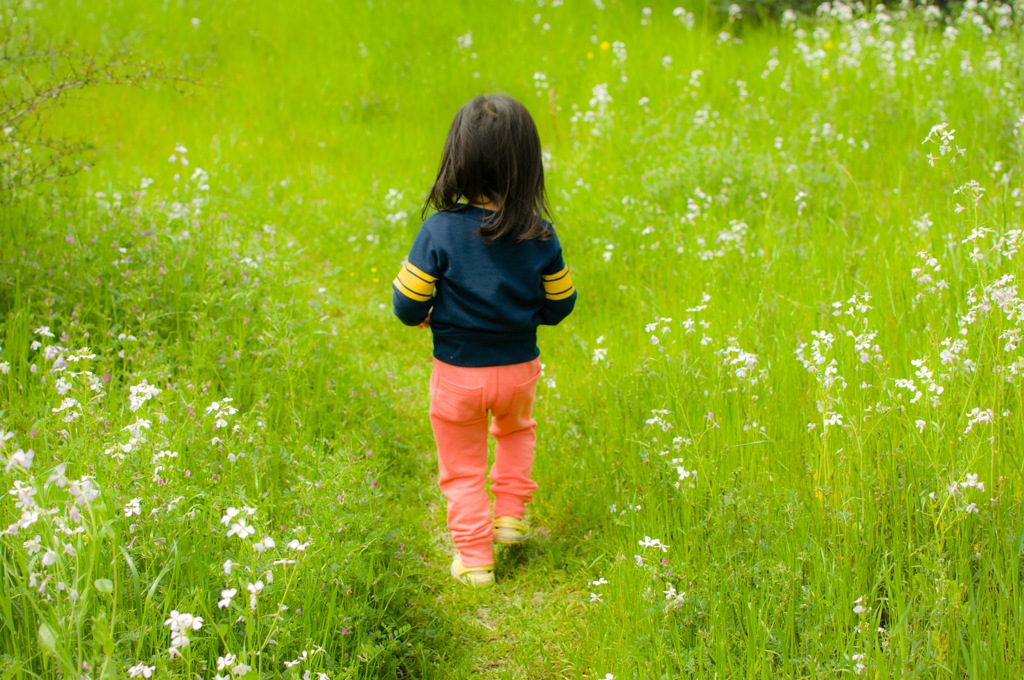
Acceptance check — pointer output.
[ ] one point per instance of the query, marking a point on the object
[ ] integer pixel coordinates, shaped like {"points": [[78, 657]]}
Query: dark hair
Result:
{"points": [[493, 152]]}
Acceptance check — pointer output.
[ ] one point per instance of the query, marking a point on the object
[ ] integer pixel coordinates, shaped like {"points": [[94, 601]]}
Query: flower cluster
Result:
{"points": [[181, 624]]}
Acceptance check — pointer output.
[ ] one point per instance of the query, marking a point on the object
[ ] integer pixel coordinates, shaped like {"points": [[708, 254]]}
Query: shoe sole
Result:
{"points": [[510, 531], [472, 583], [477, 582], [511, 540]]}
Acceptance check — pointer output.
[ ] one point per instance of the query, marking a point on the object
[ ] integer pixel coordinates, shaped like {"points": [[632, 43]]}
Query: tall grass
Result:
{"points": [[779, 436]]}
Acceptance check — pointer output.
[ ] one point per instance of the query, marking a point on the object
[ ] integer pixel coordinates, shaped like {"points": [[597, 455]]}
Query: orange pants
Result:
{"points": [[460, 399]]}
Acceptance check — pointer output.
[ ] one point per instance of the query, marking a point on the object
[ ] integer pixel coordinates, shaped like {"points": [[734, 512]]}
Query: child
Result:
{"points": [[482, 274]]}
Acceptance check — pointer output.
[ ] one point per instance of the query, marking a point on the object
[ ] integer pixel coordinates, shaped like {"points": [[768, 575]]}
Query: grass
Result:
{"points": [[746, 242]]}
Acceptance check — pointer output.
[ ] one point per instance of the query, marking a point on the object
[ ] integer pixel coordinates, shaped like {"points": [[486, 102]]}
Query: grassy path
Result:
{"points": [[532, 623]]}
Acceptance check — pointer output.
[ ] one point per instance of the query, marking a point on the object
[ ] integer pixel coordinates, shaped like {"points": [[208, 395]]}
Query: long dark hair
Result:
{"points": [[493, 152]]}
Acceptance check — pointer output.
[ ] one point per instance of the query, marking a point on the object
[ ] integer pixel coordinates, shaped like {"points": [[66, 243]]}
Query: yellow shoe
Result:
{"points": [[510, 531], [474, 577]]}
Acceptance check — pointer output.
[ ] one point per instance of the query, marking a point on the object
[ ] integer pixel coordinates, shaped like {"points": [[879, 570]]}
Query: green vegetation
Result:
{"points": [[780, 435]]}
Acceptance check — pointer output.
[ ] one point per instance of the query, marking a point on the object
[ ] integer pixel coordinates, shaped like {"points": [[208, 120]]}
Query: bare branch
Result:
{"points": [[34, 77]]}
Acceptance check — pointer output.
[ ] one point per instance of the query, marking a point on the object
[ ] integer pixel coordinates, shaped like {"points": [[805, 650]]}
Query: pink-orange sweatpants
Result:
{"points": [[460, 399]]}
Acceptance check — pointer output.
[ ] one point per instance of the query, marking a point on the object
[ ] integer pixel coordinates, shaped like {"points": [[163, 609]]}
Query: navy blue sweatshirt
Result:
{"points": [[485, 298]]}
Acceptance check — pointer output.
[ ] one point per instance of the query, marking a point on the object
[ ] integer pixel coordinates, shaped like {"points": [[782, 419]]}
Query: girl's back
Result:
{"points": [[483, 273], [490, 295]]}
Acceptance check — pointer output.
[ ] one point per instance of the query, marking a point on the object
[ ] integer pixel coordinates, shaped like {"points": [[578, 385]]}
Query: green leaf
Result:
{"points": [[47, 638], [104, 585], [101, 633]]}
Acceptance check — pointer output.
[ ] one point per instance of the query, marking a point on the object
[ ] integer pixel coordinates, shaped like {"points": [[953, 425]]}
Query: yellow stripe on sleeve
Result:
{"points": [[557, 275], [407, 292], [414, 283], [420, 273], [561, 295], [559, 288]]}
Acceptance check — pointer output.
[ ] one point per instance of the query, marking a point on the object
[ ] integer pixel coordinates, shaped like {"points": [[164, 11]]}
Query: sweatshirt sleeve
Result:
{"points": [[413, 289], [559, 291]]}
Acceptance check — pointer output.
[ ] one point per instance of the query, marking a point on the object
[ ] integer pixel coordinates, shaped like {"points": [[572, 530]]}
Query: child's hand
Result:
{"points": [[426, 322]]}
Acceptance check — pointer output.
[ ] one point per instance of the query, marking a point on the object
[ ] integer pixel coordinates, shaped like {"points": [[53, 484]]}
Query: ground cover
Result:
{"points": [[780, 436]]}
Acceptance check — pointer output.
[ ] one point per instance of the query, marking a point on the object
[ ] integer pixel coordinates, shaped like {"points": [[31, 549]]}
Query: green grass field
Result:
{"points": [[779, 437]]}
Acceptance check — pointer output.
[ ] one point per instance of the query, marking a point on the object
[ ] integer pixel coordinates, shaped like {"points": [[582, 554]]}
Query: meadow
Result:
{"points": [[780, 436]]}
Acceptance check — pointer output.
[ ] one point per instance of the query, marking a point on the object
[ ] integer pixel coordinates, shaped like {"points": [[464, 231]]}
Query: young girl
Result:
{"points": [[482, 274]]}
